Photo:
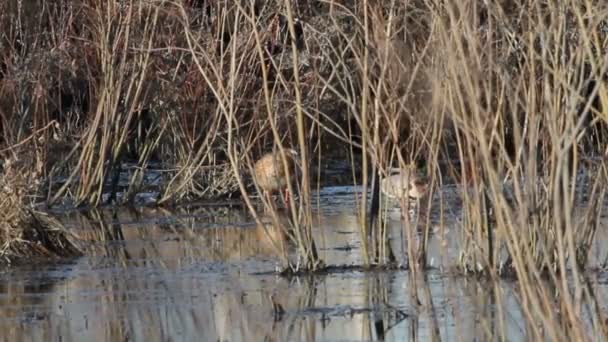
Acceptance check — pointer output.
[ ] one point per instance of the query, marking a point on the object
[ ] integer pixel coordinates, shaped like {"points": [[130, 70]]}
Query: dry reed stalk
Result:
{"points": [[204, 147], [400, 104], [27, 233], [121, 89], [312, 260], [376, 101], [534, 223], [499, 111], [237, 60]]}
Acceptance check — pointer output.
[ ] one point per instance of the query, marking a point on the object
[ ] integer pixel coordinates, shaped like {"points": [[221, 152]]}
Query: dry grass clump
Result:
{"points": [[26, 233]]}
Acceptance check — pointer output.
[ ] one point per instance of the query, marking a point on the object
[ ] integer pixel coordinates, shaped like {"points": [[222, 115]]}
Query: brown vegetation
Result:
{"points": [[26, 233], [510, 94]]}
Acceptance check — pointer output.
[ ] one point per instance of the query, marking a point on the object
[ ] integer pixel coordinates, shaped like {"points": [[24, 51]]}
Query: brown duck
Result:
{"points": [[269, 172]]}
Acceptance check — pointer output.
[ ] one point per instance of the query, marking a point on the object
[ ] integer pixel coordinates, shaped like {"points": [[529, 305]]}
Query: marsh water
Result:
{"points": [[207, 273]]}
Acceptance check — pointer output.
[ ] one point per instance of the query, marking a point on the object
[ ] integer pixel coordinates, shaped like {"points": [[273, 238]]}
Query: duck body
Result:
{"points": [[269, 171], [402, 187], [405, 184]]}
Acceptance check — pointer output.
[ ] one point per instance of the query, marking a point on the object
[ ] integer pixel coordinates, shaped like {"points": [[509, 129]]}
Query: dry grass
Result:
{"points": [[28, 234], [509, 92], [509, 96]]}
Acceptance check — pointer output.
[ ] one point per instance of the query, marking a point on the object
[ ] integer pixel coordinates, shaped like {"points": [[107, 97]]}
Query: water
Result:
{"points": [[206, 273]]}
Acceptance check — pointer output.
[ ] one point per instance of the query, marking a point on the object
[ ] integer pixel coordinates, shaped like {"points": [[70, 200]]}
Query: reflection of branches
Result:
{"points": [[305, 303], [107, 232], [380, 301], [428, 303]]}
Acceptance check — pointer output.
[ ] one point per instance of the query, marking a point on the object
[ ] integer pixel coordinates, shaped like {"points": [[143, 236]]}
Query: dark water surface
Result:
{"points": [[205, 274]]}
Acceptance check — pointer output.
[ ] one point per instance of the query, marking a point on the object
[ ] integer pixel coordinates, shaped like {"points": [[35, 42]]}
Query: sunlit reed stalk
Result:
{"points": [[365, 83], [519, 201], [305, 204], [302, 230]]}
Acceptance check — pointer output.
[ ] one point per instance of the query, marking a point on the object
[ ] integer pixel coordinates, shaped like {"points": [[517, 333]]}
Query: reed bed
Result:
{"points": [[507, 100], [28, 234]]}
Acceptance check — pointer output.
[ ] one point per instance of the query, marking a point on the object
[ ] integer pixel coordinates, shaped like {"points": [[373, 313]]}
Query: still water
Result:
{"points": [[205, 273]]}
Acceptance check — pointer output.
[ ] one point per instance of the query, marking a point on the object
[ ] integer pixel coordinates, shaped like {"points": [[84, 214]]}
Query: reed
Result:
{"points": [[246, 60], [516, 94], [507, 93], [509, 97], [27, 234]]}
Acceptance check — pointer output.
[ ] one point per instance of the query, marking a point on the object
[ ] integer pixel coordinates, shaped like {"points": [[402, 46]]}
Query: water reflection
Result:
{"points": [[197, 273]]}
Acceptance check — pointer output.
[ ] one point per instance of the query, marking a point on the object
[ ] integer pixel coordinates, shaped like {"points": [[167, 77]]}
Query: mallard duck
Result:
{"points": [[406, 183], [269, 172]]}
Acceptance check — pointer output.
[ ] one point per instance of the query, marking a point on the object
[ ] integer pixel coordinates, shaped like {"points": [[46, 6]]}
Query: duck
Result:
{"points": [[405, 184], [269, 172]]}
